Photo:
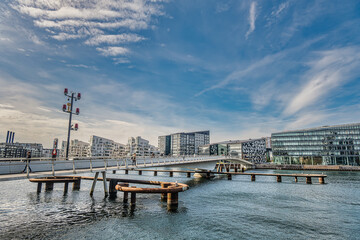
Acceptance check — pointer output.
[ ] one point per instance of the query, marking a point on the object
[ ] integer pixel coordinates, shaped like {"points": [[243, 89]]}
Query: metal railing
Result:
{"points": [[13, 166]]}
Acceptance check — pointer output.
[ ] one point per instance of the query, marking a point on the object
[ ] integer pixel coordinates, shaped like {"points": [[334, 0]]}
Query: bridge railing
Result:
{"points": [[18, 165]]}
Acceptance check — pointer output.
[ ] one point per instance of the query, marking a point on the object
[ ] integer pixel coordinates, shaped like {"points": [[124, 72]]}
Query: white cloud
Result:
{"points": [[252, 19], [331, 70], [114, 39], [113, 51], [87, 20]]}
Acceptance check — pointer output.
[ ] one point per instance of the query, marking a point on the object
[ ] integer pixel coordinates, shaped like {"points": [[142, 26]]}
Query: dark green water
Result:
{"points": [[211, 209]]}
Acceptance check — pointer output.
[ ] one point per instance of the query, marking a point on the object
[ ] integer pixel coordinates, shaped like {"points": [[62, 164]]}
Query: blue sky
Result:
{"points": [[241, 69]]}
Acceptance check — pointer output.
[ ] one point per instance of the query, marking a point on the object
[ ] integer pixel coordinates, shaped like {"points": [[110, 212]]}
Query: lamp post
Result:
{"points": [[68, 108]]}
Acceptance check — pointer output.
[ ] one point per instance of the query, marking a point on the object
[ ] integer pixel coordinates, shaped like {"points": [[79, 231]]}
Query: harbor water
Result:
{"points": [[210, 209]]}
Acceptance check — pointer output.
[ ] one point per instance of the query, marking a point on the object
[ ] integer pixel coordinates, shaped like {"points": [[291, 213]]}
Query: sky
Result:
{"points": [[241, 69]]}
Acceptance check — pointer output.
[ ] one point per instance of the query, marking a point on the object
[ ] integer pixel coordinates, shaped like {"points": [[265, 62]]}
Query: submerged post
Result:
{"points": [[278, 178], [94, 183], [253, 178], [322, 180]]}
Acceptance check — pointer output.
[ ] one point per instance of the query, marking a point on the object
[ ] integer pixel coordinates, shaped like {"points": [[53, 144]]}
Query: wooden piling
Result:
{"points": [[39, 187], [171, 174], [188, 174], [164, 195], [126, 171], [253, 178], [278, 178], [94, 183], [321, 180], [126, 194], [229, 176], [49, 186], [133, 197], [66, 187], [172, 199], [296, 179], [114, 171], [76, 184], [112, 190], [308, 180], [155, 173], [105, 183], [140, 172]]}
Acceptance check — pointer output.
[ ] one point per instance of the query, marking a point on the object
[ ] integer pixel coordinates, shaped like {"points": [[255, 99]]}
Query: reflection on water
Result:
{"points": [[213, 209]]}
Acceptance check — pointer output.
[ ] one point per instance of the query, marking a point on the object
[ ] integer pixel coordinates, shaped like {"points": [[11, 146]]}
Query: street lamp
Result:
{"points": [[68, 108]]}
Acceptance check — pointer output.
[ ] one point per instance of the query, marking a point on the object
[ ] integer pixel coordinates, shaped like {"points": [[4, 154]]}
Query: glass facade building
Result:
{"points": [[327, 145]]}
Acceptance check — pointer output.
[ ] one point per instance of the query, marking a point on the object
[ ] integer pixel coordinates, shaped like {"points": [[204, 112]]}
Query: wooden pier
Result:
{"points": [[279, 176]]}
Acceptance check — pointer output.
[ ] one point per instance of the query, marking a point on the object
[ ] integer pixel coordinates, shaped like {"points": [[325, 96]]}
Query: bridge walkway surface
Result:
{"points": [[11, 170]]}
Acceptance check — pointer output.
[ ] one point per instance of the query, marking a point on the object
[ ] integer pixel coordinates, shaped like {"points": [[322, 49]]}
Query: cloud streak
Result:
{"points": [[333, 69], [252, 19]]}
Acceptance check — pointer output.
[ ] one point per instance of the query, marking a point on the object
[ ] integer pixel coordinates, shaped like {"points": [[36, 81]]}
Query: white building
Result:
{"points": [[178, 144], [139, 146], [103, 147], [79, 149]]}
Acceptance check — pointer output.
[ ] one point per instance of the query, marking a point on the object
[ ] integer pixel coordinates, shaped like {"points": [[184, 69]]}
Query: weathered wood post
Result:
{"points": [[133, 197], [39, 187], [49, 186], [252, 177], [112, 190], [296, 179], [126, 171], [322, 180], [164, 195], [114, 171], [229, 176], [126, 194], [155, 173], [278, 178], [94, 183], [171, 174], [76, 184], [308, 180], [188, 174], [66, 187], [140, 172], [105, 183], [172, 200]]}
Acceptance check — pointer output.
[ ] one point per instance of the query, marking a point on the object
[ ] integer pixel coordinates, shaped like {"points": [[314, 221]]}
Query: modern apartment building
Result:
{"points": [[327, 145], [79, 149], [139, 146], [103, 147], [164, 143], [19, 150], [179, 144]]}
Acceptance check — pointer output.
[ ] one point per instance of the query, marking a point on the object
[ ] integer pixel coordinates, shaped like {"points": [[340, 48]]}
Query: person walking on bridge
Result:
{"points": [[28, 160]]}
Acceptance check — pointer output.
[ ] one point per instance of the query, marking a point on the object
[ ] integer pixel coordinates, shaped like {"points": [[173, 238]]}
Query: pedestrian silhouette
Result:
{"points": [[28, 160]]}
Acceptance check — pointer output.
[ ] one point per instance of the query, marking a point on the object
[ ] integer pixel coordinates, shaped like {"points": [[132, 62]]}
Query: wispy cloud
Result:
{"points": [[252, 19], [89, 20], [113, 51], [333, 69], [114, 39]]}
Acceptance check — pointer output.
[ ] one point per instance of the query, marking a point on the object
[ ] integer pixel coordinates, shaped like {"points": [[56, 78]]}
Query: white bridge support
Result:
{"points": [[54, 166]]}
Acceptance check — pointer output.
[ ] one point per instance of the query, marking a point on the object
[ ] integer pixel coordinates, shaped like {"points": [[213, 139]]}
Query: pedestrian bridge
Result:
{"points": [[12, 168]]}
